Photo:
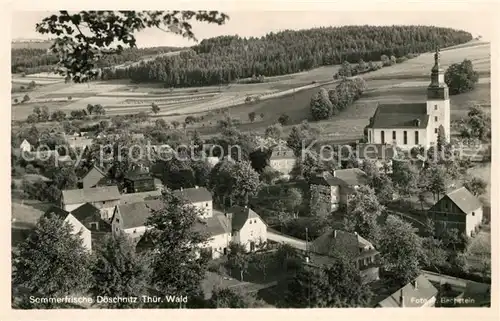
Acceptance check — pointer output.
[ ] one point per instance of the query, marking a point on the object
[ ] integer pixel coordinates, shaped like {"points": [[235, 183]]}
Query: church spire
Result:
{"points": [[436, 71]]}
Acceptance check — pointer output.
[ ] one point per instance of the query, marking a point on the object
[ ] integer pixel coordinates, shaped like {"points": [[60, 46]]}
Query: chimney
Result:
{"points": [[334, 173], [355, 233], [246, 206], [182, 189], [417, 122], [401, 300], [334, 234], [229, 216], [196, 186], [415, 284]]}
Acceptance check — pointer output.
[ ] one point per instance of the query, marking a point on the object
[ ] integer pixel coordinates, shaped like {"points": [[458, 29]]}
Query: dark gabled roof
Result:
{"points": [[342, 241], [464, 199], [138, 174], [194, 194], [136, 214], [412, 296], [400, 115], [89, 195], [57, 211], [240, 215], [376, 151], [85, 211]]}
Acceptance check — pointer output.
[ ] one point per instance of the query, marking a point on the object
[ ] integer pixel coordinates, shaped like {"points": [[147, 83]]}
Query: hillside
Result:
{"points": [[34, 57], [224, 59]]}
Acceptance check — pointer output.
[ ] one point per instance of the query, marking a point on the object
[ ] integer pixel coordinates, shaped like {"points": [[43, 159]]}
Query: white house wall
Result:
{"points": [[77, 227]]}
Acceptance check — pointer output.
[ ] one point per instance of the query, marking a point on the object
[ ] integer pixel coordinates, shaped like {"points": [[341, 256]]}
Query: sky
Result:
{"points": [[258, 23]]}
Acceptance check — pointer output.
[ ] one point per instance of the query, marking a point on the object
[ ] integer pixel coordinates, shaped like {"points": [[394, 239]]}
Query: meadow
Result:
{"points": [[288, 94]]}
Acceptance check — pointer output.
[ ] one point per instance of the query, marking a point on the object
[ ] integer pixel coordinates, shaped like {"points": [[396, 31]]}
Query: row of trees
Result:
{"points": [[41, 114], [228, 58], [328, 103]]}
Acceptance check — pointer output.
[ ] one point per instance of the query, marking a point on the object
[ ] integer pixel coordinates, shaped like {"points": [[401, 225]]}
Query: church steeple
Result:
{"points": [[437, 88]]}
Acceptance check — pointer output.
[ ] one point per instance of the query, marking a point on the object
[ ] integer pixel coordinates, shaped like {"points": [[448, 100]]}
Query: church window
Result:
{"points": [[435, 130], [370, 136], [382, 137], [435, 107], [405, 137], [436, 118], [416, 137], [393, 135]]}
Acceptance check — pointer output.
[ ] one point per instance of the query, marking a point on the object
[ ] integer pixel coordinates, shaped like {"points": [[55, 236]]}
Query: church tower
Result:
{"points": [[438, 102]]}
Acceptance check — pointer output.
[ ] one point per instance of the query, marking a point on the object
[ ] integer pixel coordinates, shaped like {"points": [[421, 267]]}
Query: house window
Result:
{"points": [[435, 107], [382, 137], [135, 231], [405, 137], [229, 234], [435, 130], [250, 221], [473, 214], [206, 204], [117, 220], [393, 135], [104, 202], [435, 118], [94, 226], [416, 137]]}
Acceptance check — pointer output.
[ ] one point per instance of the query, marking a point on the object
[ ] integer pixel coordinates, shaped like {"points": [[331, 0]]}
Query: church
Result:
{"points": [[408, 125]]}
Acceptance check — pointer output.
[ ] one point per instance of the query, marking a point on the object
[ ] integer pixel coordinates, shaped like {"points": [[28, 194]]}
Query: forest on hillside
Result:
{"points": [[225, 59], [35, 60]]}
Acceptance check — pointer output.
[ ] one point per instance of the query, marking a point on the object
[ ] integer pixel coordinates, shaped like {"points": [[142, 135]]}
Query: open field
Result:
{"points": [[278, 95]]}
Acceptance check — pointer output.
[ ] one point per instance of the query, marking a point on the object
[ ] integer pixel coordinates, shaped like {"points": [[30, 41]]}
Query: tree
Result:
{"points": [[269, 175], [292, 200], [363, 211], [251, 116], [175, 124], [345, 70], [225, 298], [237, 258], [52, 261], [321, 106], [177, 266], [404, 176], [80, 52], [245, 184], [476, 185], [26, 98], [155, 108], [90, 109], [284, 119], [461, 77], [385, 60], [477, 125], [274, 132], [441, 139], [58, 116], [118, 271], [401, 250], [436, 180]]}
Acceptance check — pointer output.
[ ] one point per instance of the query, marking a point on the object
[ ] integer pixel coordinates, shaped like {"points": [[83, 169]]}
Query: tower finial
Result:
{"points": [[437, 55]]}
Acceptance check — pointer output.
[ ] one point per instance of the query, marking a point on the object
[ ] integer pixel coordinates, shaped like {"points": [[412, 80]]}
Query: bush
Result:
{"points": [[401, 59]]}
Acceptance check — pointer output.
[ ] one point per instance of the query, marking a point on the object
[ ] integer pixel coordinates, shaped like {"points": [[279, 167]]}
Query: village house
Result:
{"points": [[139, 180], [239, 225], [25, 146], [458, 209], [352, 245], [94, 177], [104, 198], [419, 293], [409, 125], [90, 217], [381, 154], [332, 191], [130, 219], [282, 159], [197, 196], [76, 225]]}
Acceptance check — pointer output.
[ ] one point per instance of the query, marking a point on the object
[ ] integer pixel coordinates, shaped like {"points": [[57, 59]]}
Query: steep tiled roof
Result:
{"points": [[375, 151], [240, 215], [89, 195], [404, 115], [194, 195], [136, 214], [464, 200], [413, 297]]}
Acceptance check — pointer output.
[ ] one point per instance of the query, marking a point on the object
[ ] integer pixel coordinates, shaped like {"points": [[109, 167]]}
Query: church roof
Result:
{"points": [[401, 115]]}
